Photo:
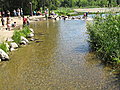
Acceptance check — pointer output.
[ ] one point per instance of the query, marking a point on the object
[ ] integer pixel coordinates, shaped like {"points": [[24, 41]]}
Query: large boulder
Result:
{"points": [[24, 39], [13, 45], [3, 55]]}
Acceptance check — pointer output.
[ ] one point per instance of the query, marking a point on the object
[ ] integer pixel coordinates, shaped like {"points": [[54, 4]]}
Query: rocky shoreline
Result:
{"points": [[11, 45]]}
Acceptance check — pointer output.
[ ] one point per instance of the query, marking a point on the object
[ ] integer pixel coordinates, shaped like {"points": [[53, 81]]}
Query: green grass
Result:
{"points": [[63, 11], [26, 31], [4, 47], [105, 37]]}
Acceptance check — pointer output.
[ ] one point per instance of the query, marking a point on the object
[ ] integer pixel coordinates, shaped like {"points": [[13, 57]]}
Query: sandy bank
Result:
{"points": [[4, 34]]}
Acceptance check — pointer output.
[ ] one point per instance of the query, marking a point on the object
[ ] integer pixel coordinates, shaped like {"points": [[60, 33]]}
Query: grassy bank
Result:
{"points": [[16, 38], [18, 33], [64, 11], [104, 38]]}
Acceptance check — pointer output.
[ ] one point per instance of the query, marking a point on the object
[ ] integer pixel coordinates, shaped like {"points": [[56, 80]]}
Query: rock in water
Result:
{"points": [[13, 45], [32, 39], [12, 49], [31, 30], [23, 42], [24, 39], [3, 55], [30, 35]]}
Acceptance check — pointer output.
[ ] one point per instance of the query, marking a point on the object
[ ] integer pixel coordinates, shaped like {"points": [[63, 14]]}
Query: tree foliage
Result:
{"points": [[54, 4]]}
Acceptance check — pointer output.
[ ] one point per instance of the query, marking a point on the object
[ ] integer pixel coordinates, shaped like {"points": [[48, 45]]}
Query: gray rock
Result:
{"points": [[9, 40], [13, 45], [32, 39], [31, 35], [12, 49], [24, 39], [23, 42], [3, 55], [31, 30]]}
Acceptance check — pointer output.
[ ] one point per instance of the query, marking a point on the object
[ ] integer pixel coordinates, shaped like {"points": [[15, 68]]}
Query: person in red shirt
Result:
{"points": [[24, 21]]}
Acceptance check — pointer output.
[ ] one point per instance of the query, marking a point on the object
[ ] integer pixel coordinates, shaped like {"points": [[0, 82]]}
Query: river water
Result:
{"points": [[59, 60]]}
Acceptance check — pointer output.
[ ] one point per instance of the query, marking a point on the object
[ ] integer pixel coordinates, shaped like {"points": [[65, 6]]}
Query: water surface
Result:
{"points": [[60, 60]]}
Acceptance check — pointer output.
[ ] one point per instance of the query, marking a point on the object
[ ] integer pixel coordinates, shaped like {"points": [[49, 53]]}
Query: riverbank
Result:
{"points": [[104, 38], [4, 34]]}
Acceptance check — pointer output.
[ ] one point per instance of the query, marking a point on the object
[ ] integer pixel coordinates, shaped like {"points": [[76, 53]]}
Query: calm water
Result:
{"points": [[60, 61]]}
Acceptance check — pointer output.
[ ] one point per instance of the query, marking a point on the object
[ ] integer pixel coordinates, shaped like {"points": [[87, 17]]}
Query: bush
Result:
{"points": [[26, 31], [17, 34], [104, 37], [4, 47]]}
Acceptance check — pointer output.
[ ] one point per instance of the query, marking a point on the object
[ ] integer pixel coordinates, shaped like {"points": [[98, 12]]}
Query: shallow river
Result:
{"points": [[59, 60]]}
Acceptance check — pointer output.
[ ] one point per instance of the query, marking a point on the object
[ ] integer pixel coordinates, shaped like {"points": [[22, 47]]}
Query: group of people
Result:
{"points": [[46, 12], [6, 20], [18, 12], [8, 23], [37, 13]]}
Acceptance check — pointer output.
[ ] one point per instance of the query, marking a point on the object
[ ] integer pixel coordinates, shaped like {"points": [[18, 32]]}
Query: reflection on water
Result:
{"points": [[60, 62]]}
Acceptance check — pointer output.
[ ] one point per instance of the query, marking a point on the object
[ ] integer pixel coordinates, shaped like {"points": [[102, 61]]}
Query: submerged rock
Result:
{"points": [[38, 41], [3, 55], [32, 39]]}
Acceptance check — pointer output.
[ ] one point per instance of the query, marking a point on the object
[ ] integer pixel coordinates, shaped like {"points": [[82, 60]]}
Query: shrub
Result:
{"points": [[17, 34], [104, 37], [4, 47], [26, 31]]}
